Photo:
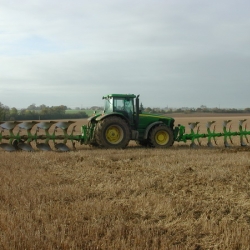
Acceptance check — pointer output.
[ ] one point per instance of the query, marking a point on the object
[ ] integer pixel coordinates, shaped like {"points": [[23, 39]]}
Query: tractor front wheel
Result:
{"points": [[161, 137], [112, 132]]}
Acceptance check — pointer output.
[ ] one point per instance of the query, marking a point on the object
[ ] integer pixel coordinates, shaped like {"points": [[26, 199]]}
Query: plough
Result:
{"points": [[23, 141], [227, 134], [120, 122]]}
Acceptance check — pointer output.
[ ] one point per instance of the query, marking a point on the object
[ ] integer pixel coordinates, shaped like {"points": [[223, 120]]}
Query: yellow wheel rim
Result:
{"points": [[114, 134], [162, 137]]}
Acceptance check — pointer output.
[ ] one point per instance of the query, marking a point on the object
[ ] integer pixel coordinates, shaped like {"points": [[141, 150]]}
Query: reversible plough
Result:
{"points": [[49, 135]]}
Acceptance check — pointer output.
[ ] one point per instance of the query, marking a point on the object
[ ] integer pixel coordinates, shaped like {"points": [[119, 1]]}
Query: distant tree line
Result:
{"points": [[185, 110], [42, 112]]}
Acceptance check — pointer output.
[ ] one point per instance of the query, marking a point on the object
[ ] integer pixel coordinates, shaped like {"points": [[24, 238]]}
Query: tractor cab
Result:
{"points": [[120, 104]]}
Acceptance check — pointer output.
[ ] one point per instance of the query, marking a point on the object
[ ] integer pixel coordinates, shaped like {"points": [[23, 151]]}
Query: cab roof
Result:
{"points": [[119, 96]]}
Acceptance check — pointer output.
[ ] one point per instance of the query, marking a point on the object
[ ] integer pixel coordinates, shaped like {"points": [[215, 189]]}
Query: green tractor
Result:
{"points": [[122, 121]]}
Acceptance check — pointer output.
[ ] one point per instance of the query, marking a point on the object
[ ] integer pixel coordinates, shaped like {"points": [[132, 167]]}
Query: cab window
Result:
{"points": [[108, 105]]}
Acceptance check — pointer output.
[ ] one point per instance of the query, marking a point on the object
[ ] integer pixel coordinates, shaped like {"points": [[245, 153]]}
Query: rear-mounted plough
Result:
{"points": [[211, 135]]}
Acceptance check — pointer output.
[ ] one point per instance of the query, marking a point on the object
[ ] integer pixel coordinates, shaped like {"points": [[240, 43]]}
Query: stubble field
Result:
{"points": [[137, 198]]}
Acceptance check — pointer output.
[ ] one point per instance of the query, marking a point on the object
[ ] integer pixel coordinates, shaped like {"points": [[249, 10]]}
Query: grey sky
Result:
{"points": [[173, 53]]}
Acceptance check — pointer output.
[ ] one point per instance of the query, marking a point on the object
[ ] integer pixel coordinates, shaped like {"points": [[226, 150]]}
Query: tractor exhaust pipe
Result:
{"points": [[138, 111]]}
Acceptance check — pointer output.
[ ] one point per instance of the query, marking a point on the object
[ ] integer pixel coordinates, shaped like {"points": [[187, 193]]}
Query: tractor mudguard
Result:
{"points": [[149, 127], [94, 117], [101, 117]]}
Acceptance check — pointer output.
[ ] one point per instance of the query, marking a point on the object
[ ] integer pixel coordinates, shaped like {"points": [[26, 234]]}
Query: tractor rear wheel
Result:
{"points": [[112, 132], [161, 137]]}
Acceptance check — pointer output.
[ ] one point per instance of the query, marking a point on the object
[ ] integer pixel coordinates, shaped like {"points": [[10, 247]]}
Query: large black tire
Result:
{"points": [[161, 137], [112, 132]]}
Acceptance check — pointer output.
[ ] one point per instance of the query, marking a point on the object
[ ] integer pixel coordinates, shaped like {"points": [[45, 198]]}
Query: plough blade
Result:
{"points": [[242, 143], [27, 125], [62, 147], [64, 125], [193, 145], [9, 125], [7, 147], [227, 133], [241, 123], [45, 125], [226, 144], [208, 125], [210, 144], [43, 146], [192, 126], [25, 147]]}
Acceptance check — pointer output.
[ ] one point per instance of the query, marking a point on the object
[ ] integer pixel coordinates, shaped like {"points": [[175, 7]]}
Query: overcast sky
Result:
{"points": [[173, 53]]}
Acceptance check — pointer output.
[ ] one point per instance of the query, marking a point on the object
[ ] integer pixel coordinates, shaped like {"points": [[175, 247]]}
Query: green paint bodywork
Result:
{"points": [[147, 121]]}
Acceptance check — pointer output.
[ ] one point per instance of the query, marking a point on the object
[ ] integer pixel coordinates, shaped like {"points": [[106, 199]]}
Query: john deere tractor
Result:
{"points": [[122, 121]]}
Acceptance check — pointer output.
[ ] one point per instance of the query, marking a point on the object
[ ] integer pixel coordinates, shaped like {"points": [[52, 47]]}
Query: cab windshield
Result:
{"points": [[108, 105]]}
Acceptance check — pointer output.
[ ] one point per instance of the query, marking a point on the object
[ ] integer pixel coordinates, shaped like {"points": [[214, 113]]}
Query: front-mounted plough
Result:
{"points": [[120, 122], [22, 140]]}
